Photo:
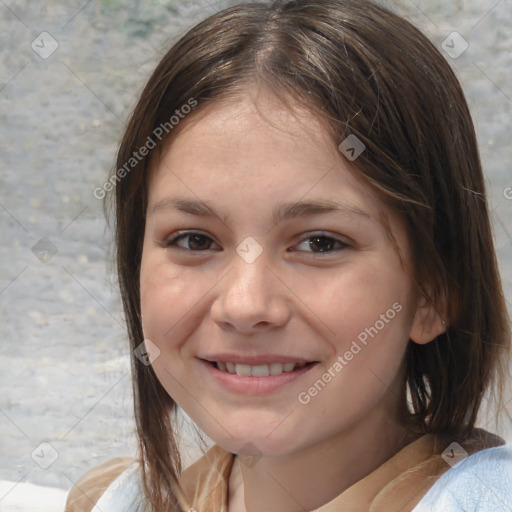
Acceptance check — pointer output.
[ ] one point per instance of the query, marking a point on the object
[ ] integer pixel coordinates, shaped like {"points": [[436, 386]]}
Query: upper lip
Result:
{"points": [[254, 360]]}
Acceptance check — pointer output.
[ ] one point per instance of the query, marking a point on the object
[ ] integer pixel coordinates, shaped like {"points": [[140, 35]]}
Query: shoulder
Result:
{"points": [[479, 482], [87, 492]]}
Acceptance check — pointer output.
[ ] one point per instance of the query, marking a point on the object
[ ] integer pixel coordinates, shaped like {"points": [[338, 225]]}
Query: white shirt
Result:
{"points": [[481, 482]]}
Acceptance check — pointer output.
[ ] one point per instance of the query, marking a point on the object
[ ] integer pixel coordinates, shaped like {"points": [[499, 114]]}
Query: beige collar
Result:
{"points": [[395, 486]]}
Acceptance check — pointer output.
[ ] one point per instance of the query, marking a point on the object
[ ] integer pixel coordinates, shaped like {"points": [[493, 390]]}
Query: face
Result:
{"points": [[268, 283]]}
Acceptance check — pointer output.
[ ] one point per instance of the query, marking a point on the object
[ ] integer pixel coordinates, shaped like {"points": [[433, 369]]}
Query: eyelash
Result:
{"points": [[183, 235]]}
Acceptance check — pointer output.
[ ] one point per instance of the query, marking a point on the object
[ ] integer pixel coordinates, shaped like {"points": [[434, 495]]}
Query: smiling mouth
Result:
{"points": [[260, 370]]}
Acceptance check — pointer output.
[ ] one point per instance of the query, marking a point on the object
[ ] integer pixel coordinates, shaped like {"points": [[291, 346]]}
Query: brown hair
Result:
{"points": [[368, 72]]}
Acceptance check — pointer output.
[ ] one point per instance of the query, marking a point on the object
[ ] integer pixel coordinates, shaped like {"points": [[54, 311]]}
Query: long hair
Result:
{"points": [[366, 72]]}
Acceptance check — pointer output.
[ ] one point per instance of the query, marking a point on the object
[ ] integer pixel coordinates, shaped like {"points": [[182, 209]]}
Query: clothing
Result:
{"points": [[416, 479], [481, 482]]}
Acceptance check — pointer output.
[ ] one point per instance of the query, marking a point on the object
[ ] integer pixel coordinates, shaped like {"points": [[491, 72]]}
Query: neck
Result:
{"points": [[313, 476]]}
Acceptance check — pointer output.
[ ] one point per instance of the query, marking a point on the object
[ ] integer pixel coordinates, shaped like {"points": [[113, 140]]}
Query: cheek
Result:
{"points": [[369, 314], [174, 303], [166, 297], [372, 333], [168, 305], [359, 298]]}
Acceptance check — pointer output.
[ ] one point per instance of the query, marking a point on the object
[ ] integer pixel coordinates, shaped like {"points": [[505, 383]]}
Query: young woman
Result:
{"points": [[307, 270]]}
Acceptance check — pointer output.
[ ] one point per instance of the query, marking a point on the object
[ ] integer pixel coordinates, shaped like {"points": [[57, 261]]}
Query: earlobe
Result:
{"points": [[428, 322]]}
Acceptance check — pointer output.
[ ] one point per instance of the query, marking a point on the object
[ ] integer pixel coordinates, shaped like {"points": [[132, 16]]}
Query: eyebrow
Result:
{"points": [[284, 211]]}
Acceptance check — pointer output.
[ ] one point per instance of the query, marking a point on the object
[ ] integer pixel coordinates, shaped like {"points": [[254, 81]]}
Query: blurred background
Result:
{"points": [[70, 73]]}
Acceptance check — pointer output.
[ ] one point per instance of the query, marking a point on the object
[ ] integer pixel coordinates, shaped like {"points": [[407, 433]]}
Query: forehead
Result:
{"points": [[233, 122], [254, 143]]}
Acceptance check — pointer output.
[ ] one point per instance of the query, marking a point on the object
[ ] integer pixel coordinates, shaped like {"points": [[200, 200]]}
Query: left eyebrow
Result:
{"points": [[301, 208], [281, 212]]}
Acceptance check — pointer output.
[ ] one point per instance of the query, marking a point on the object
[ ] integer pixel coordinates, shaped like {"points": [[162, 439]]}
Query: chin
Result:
{"points": [[257, 441]]}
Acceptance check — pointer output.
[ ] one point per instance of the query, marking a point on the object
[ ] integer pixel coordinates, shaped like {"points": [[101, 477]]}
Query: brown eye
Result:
{"points": [[191, 242], [321, 244]]}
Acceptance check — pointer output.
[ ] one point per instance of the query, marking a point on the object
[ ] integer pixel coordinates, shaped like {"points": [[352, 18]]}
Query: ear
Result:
{"points": [[429, 320]]}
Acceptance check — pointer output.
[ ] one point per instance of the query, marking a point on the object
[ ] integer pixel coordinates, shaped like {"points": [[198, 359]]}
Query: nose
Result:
{"points": [[251, 298]]}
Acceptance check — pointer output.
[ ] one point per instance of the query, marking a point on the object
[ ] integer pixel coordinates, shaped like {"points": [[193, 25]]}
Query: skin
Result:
{"points": [[245, 158]]}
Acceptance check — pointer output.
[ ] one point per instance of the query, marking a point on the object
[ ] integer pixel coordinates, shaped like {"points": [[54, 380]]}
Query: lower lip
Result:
{"points": [[255, 385]]}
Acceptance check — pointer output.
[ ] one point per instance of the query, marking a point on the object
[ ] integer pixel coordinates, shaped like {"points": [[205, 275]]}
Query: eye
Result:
{"points": [[190, 241], [199, 242], [321, 243]]}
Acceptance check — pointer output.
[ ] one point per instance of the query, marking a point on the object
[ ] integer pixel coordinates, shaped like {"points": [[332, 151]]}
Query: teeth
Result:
{"points": [[276, 368], [260, 370], [244, 370]]}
